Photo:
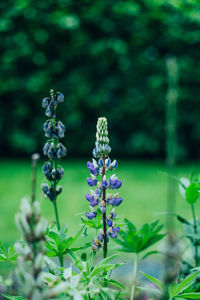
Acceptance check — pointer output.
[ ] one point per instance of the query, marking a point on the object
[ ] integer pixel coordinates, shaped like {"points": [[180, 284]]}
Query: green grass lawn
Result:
{"points": [[144, 192]]}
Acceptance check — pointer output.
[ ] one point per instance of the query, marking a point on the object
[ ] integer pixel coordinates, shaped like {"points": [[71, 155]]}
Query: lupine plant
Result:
{"points": [[31, 253], [53, 149], [85, 278], [103, 203]]}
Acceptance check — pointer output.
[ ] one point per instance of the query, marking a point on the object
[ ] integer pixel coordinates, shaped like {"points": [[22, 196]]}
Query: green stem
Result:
{"points": [[134, 277], [55, 142], [56, 214], [195, 231], [34, 163], [60, 256]]}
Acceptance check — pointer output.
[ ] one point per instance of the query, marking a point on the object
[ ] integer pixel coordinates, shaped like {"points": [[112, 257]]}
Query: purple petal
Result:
{"points": [[94, 203], [113, 235], [91, 182], [89, 197], [116, 201], [105, 184], [116, 229], [91, 168], [91, 215], [109, 223]]}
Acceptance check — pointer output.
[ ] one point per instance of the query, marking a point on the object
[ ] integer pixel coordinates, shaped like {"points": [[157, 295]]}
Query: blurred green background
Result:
{"points": [[108, 58]]}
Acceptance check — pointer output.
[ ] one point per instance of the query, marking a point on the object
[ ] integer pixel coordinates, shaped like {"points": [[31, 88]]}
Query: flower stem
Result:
{"points": [[56, 214], [35, 157], [195, 231], [104, 214], [60, 256], [134, 277]]}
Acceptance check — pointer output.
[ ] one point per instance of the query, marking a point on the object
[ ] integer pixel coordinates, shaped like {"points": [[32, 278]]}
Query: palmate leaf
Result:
{"points": [[7, 256], [104, 265], [183, 285], [135, 241], [177, 290], [58, 242]]}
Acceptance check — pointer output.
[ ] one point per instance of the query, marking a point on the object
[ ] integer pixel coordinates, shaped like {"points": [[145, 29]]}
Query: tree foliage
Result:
{"points": [[108, 58]]}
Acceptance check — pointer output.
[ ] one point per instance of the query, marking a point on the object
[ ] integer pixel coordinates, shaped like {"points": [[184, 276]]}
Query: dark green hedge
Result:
{"points": [[108, 58]]}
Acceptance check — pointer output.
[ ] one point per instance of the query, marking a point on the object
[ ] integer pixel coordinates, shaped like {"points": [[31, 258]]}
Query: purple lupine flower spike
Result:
{"points": [[99, 196]]}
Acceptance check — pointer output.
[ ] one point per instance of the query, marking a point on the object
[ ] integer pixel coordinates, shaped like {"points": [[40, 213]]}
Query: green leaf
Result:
{"points": [[104, 266], [189, 296], [192, 192], [150, 253], [7, 256], [183, 220], [135, 241], [156, 281], [184, 284], [14, 297], [116, 283], [87, 245], [76, 236]]}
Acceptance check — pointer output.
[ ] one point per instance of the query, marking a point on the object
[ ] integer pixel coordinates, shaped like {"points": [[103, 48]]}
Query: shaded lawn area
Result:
{"points": [[144, 192]]}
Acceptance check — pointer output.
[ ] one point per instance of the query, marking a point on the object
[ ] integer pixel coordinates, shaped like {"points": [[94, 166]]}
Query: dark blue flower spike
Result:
{"points": [[54, 130]]}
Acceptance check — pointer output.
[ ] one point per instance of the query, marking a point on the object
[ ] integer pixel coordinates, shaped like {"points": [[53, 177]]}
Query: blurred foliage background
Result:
{"points": [[108, 58]]}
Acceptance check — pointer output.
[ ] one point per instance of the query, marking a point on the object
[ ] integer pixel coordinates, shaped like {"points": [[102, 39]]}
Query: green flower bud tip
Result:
{"points": [[102, 131], [102, 147], [52, 93]]}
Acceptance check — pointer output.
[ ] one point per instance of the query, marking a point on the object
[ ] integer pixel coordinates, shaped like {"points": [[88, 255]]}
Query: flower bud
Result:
{"points": [[45, 102], [101, 146], [58, 190]]}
